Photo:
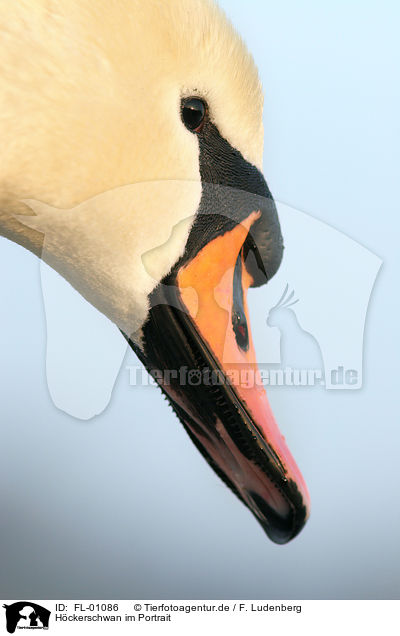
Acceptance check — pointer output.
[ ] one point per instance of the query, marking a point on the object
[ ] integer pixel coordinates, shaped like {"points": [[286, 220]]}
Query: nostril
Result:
{"points": [[239, 322]]}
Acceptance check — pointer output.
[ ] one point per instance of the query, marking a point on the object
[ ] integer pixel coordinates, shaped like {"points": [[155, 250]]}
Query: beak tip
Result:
{"points": [[281, 528]]}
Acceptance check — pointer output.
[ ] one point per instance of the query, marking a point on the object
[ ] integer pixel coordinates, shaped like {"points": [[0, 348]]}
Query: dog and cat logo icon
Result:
{"points": [[26, 615]]}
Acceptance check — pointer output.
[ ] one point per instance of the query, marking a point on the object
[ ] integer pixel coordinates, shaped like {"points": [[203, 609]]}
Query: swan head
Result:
{"points": [[137, 174]]}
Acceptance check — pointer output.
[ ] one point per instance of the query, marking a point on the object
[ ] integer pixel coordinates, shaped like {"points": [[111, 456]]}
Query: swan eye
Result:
{"points": [[193, 113]]}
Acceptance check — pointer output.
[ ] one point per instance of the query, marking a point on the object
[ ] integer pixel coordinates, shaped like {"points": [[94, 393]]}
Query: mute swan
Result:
{"points": [[131, 162]]}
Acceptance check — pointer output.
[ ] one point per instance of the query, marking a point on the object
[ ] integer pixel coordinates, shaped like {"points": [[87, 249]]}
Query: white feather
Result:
{"points": [[89, 104]]}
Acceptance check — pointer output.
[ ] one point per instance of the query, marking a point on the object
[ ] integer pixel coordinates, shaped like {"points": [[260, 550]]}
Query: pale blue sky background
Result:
{"points": [[124, 506]]}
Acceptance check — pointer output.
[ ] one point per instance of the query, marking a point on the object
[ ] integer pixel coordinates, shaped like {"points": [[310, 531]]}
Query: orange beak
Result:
{"points": [[213, 288], [198, 331]]}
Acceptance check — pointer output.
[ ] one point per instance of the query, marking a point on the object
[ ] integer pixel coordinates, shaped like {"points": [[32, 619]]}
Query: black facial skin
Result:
{"points": [[232, 189]]}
